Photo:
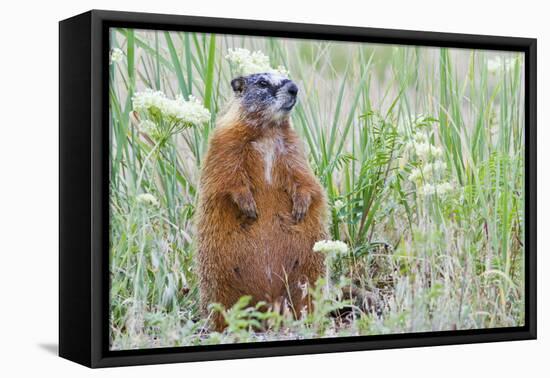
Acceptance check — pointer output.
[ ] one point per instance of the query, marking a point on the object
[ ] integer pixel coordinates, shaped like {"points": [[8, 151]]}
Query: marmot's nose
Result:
{"points": [[292, 89]]}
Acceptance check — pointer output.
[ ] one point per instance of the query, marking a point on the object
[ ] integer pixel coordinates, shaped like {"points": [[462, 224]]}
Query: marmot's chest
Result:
{"points": [[268, 150]]}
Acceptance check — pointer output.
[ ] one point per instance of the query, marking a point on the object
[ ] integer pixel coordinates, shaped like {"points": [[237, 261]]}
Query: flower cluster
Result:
{"points": [[429, 170], [330, 247], [439, 189], [338, 205], [157, 105], [497, 63], [246, 63], [147, 199], [422, 147], [116, 55]]}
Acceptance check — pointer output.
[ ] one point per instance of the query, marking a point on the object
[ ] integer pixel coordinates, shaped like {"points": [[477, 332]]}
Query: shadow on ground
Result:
{"points": [[51, 348]]}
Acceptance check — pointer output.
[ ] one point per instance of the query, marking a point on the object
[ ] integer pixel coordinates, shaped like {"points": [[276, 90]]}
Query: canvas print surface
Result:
{"points": [[266, 189]]}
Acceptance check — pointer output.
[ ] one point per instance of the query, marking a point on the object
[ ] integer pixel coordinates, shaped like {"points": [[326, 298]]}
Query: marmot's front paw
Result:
{"points": [[247, 205], [300, 205]]}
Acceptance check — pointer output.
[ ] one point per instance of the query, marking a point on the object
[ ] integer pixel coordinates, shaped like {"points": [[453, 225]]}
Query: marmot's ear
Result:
{"points": [[237, 84]]}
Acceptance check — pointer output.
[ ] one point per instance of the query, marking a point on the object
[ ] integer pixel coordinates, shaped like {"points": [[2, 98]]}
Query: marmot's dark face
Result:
{"points": [[265, 96]]}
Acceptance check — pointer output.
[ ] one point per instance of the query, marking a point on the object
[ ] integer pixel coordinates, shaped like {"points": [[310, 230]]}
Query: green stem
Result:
{"points": [[145, 161]]}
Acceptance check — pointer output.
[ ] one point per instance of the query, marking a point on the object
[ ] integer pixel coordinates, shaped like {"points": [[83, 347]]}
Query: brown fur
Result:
{"points": [[255, 237]]}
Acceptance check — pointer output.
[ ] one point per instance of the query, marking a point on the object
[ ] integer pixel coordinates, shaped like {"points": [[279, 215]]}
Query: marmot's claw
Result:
{"points": [[300, 206], [299, 211], [250, 213], [298, 215], [247, 205]]}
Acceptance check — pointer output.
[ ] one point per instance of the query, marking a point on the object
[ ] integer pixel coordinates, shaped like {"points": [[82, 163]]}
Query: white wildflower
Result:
{"points": [[190, 112], [427, 171], [148, 99], [338, 205], [147, 199], [439, 166], [444, 188], [493, 64], [422, 149], [116, 55], [246, 63], [439, 189], [437, 152], [433, 168], [498, 62], [331, 246], [415, 175], [425, 150], [427, 190]]}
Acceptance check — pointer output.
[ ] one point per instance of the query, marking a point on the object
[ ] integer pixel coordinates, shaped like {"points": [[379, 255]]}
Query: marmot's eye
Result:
{"points": [[263, 83]]}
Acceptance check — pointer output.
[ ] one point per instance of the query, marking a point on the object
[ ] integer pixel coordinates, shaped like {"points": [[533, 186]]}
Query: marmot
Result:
{"points": [[261, 208]]}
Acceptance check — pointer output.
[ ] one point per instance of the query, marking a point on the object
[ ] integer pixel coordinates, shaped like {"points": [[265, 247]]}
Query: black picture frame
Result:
{"points": [[83, 182]]}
